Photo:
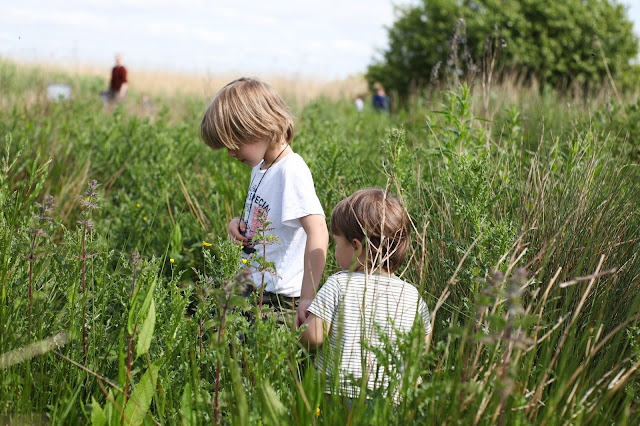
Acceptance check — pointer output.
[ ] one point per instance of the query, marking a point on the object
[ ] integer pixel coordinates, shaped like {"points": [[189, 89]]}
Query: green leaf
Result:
{"points": [[240, 407], [146, 332], [138, 405], [133, 315], [186, 406], [208, 325], [98, 417], [148, 297], [238, 301], [122, 370], [176, 240], [71, 403], [274, 412], [119, 406]]}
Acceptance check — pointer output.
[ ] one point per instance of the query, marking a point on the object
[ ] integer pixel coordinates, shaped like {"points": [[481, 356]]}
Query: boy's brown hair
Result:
{"points": [[379, 221], [243, 111]]}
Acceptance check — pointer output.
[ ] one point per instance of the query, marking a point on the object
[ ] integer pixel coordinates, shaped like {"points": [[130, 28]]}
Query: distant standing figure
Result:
{"points": [[380, 100], [118, 84], [359, 103]]}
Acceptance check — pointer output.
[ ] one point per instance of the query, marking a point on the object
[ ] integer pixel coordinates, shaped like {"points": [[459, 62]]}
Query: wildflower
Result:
{"points": [[89, 205], [138, 205], [144, 218], [206, 244], [244, 260], [85, 222], [317, 411], [171, 260]]}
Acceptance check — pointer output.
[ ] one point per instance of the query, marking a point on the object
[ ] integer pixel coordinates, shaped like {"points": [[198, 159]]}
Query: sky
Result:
{"points": [[327, 39]]}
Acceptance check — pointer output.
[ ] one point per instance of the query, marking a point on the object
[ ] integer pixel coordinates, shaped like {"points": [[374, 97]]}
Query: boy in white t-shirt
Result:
{"points": [[250, 120], [371, 231]]}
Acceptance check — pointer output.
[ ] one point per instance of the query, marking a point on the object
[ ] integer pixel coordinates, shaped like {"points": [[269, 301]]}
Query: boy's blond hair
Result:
{"points": [[243, 111], [378, 220]]}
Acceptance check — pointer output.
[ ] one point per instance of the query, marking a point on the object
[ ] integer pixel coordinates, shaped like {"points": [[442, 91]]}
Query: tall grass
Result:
{"points": [[525, 246]]}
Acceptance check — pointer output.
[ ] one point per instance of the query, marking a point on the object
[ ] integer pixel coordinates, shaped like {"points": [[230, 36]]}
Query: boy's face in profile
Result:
{"points": [[251, 153], [345, 252]]}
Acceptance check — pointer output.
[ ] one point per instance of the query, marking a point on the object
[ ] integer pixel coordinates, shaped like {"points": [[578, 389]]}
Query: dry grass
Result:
{"points": [[299, 90]]}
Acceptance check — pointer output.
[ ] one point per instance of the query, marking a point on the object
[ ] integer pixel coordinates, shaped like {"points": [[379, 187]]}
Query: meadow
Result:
{"points": [[118, 298]]}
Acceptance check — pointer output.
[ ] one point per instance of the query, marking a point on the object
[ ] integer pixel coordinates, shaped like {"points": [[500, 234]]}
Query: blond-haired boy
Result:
{"points": [[250, 120]]}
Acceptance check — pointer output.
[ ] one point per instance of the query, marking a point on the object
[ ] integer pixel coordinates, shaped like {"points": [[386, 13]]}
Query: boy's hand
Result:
{"points": [[236, 228], [302, 314]]}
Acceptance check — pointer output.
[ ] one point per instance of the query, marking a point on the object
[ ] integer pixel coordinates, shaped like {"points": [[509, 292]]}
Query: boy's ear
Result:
{"points": [[357, 244]]}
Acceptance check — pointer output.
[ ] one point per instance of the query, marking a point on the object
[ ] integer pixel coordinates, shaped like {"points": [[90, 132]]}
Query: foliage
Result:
{"points": [[568, 42], [525, 246], [418, 40]]}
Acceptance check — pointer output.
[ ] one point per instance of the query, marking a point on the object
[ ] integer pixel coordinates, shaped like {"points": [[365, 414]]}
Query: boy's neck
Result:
{"points": [[275, 154]]}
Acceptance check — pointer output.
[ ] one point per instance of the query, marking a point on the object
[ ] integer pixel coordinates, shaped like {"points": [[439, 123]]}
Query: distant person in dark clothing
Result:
{"points": [[380, 100], [118, 84]]}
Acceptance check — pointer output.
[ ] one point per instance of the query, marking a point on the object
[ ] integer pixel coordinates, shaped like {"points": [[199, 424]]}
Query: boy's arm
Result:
{"points": [[315, 256], [313, 336]]}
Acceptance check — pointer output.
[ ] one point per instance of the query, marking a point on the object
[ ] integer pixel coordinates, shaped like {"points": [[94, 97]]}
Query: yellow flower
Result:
{"points": [[317, 411], [206, 244], [88, 198], [138, 205], [171, 260], [244, 260], [144, 218]]}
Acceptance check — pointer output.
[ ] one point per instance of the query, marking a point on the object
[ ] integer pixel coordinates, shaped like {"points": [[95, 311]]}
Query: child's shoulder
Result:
{"points": [[341, 275], [407, 286], [294, 159], [291, 164], [295, 170], [344, 278]]}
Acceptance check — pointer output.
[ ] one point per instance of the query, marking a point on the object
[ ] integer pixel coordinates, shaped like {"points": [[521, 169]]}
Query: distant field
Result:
{"points": [[161, 82]]}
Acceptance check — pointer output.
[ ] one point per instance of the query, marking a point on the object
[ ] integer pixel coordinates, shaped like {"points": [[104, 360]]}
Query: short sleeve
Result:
{"points": [[423, 311], [325, 304], [299, 194]]}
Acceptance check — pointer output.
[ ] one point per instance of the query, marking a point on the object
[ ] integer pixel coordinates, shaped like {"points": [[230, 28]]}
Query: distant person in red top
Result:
{"points": [[118, 84]]}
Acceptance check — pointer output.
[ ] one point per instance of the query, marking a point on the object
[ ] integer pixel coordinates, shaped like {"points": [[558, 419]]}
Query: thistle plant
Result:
{"points": [[511, 336], [265, 238], [41, 219], [232, 282], [131, 337], [85, 223]]}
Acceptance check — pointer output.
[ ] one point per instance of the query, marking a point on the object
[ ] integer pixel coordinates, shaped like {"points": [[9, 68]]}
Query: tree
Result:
{"points": [[559, 42], [418, 40]]}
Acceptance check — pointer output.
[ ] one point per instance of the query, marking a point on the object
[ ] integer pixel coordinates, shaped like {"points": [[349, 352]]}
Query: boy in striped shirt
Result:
{"points": [[371, 231]]}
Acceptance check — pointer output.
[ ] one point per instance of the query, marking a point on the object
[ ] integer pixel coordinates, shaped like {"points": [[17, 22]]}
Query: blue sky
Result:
{"points": [[312, 38]]}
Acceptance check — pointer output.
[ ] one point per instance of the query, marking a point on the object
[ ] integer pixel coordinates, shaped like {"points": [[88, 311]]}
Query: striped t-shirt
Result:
{"points": [[352, 302]]}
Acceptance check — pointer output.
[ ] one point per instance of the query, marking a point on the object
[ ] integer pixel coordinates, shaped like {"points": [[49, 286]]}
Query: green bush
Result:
{"points": [[563, 43]]}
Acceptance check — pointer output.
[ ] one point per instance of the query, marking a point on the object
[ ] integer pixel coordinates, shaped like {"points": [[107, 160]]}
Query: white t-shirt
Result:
{"points": [[352, 303], [285, 193]]}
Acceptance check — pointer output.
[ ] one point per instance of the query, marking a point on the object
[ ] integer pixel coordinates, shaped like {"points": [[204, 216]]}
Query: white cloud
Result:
{"points": [[175, 29], [331, 37], [31, 17]]}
